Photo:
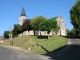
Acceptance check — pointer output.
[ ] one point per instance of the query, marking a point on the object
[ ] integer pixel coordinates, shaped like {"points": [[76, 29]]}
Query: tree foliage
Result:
{"points": [[54, 25], [75, 16], [73, 32], [46, 26], [19, 28], [30, 28], [36, 21], [68, 32], [25, 25], [15, 30], [6, 34]]}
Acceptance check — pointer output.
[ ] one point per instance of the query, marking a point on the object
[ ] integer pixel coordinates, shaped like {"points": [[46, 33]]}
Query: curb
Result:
{"points": [[13, 47]]}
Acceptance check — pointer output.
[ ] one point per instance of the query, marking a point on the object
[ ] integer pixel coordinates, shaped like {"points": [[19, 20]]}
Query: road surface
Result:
{"points": [[13, 54]]}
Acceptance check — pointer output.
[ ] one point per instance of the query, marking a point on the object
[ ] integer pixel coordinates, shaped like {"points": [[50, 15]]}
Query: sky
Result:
{"points": [[10, 11]]}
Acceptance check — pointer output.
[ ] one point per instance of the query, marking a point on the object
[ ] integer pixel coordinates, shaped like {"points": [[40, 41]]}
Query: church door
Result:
{"points": [[60, 33]]}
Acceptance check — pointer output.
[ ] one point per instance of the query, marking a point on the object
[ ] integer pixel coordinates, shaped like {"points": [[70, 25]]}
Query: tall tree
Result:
{"points": [[36, 21], [30, 28], [6, 34], [15, 30], [75, 16], [68, 32], [25, 25], [54, 25], [46, 26], [72, 32], [19, 27]]}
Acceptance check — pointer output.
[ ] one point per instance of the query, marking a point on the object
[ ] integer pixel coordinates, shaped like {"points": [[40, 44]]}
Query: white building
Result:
{"points": [[62, 25], [60, 20]]}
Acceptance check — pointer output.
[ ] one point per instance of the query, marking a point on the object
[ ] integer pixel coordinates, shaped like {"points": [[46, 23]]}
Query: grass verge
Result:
{"points": [[38, 45]]}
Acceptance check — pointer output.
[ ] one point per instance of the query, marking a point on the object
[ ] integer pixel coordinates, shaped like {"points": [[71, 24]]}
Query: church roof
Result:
{"points": [[54, 18], [23, 12]]}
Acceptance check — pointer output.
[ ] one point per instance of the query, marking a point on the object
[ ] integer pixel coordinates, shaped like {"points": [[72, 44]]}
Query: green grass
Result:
{"points": [[24, 42]]}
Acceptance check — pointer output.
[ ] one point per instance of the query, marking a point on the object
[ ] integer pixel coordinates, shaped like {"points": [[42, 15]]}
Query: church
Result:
{"points": [[60, 21]]}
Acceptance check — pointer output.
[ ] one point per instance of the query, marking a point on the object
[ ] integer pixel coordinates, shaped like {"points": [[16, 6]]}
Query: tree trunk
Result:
{"points": [[40, 33], [37, 32], [28, 32], [52, 32], [48, 36], [34, 32]]}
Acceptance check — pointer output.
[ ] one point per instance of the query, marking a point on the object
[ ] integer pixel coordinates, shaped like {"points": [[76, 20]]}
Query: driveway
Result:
{"points": [[70, 52]]}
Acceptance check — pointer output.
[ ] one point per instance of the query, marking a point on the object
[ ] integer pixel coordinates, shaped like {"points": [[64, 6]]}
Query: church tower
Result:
{"points": [[22, 17]]}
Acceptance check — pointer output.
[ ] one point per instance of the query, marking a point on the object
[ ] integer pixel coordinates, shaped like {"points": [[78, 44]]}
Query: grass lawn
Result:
{"points": [[38, 45]]}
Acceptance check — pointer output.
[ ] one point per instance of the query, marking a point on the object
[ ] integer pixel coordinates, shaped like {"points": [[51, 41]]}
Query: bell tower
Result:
{"points": [[22, 17]]}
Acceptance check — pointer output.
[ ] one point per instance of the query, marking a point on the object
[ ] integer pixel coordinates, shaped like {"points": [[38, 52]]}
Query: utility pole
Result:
{"points": [[11, 41]]}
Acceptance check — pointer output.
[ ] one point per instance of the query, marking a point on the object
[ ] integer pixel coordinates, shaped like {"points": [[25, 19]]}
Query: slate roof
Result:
{"points": [[23, 12], [54, 18]]}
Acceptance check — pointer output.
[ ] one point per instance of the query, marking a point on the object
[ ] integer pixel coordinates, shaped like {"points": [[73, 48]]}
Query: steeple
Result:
{"points": [[23, 12]]}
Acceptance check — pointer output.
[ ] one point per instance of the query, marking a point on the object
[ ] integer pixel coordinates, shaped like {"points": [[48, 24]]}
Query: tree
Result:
{"points": [[75, 17], [30, 28], [72, 32], [36, 21], [25, 25], [6, 34], [46, 26], [54, 25], [15, 30], [68, 32], [19, 27]]}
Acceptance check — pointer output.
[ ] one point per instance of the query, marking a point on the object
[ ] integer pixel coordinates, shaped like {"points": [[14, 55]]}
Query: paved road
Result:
{"points": [[12, 54], [70, 52]]}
